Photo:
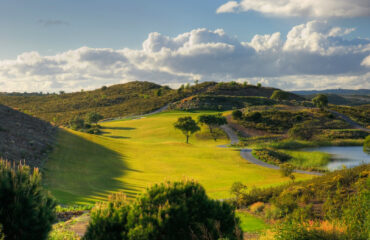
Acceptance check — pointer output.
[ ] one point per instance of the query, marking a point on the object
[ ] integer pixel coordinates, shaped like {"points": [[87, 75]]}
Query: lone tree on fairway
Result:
{"points": [[93, 117], [187, 125], [320, 101], [212, 121], [279, 95]]}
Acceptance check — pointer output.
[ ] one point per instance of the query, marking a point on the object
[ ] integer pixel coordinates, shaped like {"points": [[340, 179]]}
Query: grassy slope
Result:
{"points": [[133, 154]]}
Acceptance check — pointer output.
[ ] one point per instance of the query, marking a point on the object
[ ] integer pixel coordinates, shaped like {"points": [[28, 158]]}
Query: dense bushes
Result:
{"points": [[26, 210], [271, 156], [330, 195], [304, 131], [179, 210]]}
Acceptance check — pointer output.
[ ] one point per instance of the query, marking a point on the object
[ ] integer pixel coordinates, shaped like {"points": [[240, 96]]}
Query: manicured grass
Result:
{"points": [[134, 154], [250, 223]]}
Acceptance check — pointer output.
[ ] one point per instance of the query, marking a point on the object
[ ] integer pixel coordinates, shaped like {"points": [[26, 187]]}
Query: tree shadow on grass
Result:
{"points": [[119, 128], [119, 137], [80, 170]]}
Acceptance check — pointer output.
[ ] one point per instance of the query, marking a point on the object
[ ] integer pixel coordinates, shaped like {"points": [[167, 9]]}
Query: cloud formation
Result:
{"points": [[298, 8], [313, 55]]}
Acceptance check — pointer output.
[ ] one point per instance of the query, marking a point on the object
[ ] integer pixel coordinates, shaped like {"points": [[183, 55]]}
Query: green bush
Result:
{"points": [[26, 210], [108, 220], [304, 131], [271, 156], [237, 114], [179, 210]]}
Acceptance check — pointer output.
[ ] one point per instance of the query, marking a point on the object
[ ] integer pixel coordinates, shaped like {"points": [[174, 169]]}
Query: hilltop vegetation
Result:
{"points": [[135, 98], [24, 138]]}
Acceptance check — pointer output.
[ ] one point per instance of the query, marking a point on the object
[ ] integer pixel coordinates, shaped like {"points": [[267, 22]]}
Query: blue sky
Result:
{"points": [[43, 31]]}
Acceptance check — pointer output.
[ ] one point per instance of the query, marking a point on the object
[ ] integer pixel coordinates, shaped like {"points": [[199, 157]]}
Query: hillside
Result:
{"points": [[23, 137], [133, 98], [231, 95]]}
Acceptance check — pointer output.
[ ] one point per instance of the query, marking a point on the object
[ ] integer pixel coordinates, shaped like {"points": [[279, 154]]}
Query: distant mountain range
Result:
{"points": [[334, 91]]}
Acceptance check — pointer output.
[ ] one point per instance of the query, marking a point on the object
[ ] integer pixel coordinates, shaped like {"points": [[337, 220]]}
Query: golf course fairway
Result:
{"points": [[131, 155]]}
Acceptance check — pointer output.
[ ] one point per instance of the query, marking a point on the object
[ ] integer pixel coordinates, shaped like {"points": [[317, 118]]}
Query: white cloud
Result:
{"points": [[306, 8], [314, 55], [366, 61]]}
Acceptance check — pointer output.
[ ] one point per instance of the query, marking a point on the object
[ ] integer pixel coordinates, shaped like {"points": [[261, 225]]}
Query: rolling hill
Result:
{"points": [[23, 137], [132, 98]]}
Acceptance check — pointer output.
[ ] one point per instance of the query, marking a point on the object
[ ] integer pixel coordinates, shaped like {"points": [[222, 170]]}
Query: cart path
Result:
{"points": [[246, 153]]}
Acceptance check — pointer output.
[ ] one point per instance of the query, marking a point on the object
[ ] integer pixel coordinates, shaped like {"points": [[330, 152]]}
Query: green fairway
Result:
{"points": [[134, 154], [250, 224]]}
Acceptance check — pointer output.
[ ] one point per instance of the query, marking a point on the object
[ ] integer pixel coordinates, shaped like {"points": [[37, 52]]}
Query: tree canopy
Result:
{"points": [[212, 121], [320, 101], [94, 117], [187, 126]]}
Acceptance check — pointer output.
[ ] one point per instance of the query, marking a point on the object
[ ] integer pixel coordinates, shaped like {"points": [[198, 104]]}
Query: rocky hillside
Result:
{"points": [[23, 137]]}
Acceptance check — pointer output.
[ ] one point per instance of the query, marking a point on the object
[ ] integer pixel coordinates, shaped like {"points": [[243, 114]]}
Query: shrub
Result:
{"points": [[237, 114], [179, 210], [108, 220], [77, 123], [257, 207], [271, 156], [26, 210], [303, 131]]}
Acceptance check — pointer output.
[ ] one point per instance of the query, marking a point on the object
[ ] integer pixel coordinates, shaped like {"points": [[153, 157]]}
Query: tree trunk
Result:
{"points": [[187, 139]]}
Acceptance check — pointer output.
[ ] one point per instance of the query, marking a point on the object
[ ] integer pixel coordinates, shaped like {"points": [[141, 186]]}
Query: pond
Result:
{"points": [[349, 156]]}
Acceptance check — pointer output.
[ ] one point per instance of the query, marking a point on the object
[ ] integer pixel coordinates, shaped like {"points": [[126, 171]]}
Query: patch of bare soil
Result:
{"points": [[24, 138]]}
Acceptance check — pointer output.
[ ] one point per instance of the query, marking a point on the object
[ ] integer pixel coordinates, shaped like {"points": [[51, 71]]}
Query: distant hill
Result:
{"points": [[340, 96], [23, 137], [134, 98], [335, 91]]}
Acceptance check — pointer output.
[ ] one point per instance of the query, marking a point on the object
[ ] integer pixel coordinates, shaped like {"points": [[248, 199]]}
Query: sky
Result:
{"points": [[69, 45]]}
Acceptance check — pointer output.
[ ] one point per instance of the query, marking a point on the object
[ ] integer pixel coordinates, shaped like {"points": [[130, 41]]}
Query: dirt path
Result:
{"points": [[246, 153]]}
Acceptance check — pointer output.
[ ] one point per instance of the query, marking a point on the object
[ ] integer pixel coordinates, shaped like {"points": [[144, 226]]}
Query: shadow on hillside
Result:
{"points": [[80, 170], [119, 128], [119, 137]]}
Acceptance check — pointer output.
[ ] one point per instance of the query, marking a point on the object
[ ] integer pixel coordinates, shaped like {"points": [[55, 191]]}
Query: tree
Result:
{"points": [[237, 114], [212, 121], [279, 95], [94, 117], [77, 123], [304, 131], [26, 210], [259, 85], [167, 211], [320, 101], [187, 125]]}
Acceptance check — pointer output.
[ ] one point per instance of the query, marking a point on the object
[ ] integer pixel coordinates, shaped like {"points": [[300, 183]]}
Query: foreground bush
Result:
{"points": [[179, 210], [26, 210]]}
